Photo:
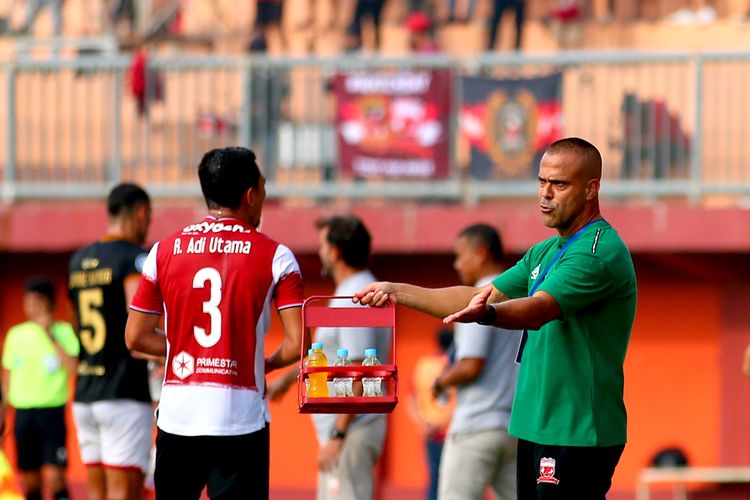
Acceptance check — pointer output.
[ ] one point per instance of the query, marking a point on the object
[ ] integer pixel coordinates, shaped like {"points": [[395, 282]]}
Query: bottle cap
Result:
{"points": [[371, 352], [343, 353], [317, 345], [309, 351]]}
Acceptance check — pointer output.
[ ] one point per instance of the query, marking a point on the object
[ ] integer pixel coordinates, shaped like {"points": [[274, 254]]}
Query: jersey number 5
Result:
{"points": [[211, 306], [93, 328]]}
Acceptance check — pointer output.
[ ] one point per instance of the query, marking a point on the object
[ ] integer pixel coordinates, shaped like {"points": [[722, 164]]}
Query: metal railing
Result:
{"points": [[668, 124]]}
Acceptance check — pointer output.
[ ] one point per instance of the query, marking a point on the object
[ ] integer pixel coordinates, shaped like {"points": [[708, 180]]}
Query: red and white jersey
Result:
{"points": [[214, 282]]}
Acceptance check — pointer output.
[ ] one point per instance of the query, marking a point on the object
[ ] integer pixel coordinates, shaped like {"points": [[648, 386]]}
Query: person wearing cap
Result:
{"points": [[421, 39], [350, 445]]}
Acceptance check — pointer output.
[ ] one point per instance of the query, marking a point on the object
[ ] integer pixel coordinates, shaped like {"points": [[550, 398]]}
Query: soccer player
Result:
{"points": [[112, 408], [214, 281], [575, 295], [39, 356]]}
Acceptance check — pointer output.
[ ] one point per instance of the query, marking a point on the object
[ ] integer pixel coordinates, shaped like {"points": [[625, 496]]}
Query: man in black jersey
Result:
{"points": [[112, 407]]}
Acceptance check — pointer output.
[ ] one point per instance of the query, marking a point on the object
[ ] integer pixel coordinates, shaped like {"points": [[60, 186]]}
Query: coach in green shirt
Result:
{"points": [[575, 297]]}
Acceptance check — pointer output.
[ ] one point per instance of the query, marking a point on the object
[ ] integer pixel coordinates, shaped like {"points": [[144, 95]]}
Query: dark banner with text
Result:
{"points": [[393, 124], [508, 123]]}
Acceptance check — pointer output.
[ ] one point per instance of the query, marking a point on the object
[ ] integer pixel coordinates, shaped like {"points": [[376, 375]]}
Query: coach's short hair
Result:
{"points": [[226, 174], [487, 237], [41, 285], [587, 152], [125, 197], [350, 236]]}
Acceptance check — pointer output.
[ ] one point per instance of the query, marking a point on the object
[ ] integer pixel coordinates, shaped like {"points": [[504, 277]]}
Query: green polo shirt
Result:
{"points": [[570, 385], [38, 378]]}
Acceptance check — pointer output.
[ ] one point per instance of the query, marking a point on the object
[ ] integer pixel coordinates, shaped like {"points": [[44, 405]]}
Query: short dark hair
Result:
{"points": [[586, 151], [226, 174], [41, 285], [487, 237], [124, 198], [350, 236]]}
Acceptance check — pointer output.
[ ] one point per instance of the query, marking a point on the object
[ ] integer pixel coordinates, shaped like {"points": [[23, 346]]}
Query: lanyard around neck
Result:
{"points": [[559, 254]]}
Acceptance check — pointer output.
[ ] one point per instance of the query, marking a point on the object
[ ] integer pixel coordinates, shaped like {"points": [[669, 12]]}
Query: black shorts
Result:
{"points": [[40, 438], [232, 467], [269, 13], [562, 472]]}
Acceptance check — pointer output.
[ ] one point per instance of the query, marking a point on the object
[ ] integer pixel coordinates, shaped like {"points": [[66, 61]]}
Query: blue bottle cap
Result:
{"points": [[309, 351], [343, 353], [317, 345], [371, 352]]}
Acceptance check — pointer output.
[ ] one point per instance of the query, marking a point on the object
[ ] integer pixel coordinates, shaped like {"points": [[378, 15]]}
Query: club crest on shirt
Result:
{"points": [[535, 273], [547, 471]]}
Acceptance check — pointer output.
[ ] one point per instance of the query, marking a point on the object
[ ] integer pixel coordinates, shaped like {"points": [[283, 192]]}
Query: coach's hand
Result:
{"points": [[474, 311], [329, 454], [376, 294]]}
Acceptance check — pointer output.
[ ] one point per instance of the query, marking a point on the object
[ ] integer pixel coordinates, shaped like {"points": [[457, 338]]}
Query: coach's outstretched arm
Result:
{"points": [[528, 313], [438, 302], [288, 351]]}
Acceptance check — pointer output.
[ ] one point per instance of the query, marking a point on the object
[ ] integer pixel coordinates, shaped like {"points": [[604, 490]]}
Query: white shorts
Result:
{"points": [[115, 434]]}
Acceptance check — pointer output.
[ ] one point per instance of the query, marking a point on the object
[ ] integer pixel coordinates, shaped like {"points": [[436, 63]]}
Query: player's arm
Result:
{"points": [[288, 351], [459, 373], [141, 334], [528, 313], [439, 302]]}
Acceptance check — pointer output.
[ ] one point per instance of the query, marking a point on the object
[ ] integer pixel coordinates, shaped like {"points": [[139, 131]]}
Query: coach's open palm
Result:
{"points": [[474, 311]]}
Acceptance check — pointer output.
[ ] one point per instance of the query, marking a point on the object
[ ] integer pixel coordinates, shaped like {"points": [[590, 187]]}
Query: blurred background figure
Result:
{"points": [[372, 9], [432, 414], [518, 8], [39, 360], [32, 10], [268, 19], [421, 34]]}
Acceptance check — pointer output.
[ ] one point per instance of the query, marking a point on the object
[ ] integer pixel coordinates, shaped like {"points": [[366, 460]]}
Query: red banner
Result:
{"points": [[393, 124]]}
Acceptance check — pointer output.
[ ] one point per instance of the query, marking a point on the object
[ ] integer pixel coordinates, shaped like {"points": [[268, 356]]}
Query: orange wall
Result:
{"points": [[679, 372]]}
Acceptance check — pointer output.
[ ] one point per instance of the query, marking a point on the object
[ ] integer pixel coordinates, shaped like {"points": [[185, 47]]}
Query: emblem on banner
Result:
{"points": [[547, 471], [511, 129]]}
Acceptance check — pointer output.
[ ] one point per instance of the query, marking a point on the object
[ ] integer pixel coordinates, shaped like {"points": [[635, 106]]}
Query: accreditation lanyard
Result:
{"points": [[543, 275]]}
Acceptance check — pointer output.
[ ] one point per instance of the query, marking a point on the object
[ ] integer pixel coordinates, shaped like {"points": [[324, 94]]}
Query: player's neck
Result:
{"points": [[119, 230]]}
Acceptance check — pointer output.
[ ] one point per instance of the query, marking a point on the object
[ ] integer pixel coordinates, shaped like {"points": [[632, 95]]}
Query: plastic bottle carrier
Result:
{"points": [[317, 313]]}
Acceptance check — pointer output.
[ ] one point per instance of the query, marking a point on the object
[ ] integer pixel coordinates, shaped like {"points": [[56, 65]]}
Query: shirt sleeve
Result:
{"points": [[287, 278], [514, 282], [580, 279], [472, 340], [148, 298], [66, 337], [8, 350]]}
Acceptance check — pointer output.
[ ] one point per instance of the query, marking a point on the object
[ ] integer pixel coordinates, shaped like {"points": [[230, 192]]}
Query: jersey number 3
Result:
{"points": [[211, 306]]}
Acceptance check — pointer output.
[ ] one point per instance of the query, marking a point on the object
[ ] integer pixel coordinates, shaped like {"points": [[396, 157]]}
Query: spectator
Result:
{"points": [[365, 8], [32, 10], [349, 445], [430, 413], [215, 281], [39, 358], [461, 10], [567, 19], [268, 18], [421, 38], [499, 6], [112, 407]]}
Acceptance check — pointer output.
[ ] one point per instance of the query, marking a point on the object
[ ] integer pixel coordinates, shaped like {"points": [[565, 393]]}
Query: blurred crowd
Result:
{"points": [[355, 24]]}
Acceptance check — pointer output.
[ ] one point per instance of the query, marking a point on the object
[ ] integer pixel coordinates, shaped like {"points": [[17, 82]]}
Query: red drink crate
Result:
{"points": [[317, 313]]}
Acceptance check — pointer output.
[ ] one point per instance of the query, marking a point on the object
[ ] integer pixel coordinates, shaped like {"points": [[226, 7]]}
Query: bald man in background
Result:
{"points": [[574, 295]]}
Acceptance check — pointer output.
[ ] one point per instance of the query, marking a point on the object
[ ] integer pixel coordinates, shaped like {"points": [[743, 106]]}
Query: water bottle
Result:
{"points": [[307, 380], [319, 380], [372, 385], [342, 386]]}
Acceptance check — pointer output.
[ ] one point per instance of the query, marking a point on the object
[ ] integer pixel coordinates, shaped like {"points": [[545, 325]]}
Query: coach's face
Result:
{"points": [[562, 190]]}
